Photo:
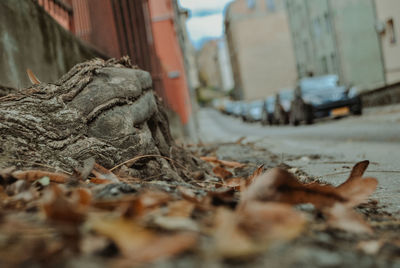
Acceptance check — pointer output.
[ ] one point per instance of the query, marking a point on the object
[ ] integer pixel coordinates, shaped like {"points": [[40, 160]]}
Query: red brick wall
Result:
{"points": [[60, 10]]}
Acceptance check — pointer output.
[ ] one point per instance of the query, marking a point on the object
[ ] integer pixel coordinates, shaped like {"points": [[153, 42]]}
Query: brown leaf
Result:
{"points": [[33, 175], [102, 174], [222, 173], [140, 244], [32, 77], [371, 247], [228, 164], [255, 174], [344, 218], [146, 202], [175, 223], [358, 170], [357, 190], [223, 196], [230, 240], [180, 208], [188, 194], [235, 183], [281, 186], [270, 222], [59, 208]]}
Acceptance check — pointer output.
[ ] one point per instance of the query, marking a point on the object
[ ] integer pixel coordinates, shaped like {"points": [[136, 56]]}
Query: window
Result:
{"points": [[391, 31], [271, 5], [306, 50], [328, 24], [324, 63], [251, 4], [333, 62], [317, 27]]}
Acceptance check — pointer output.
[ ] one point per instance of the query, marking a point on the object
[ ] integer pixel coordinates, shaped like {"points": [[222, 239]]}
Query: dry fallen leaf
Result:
{"points": [[33, 175], [32, 77], [180, 208], [357, 190], [346, 219], [142, 245], [228, 164], [59, 208], [270, 222], [255, 174], [282, 186], [235, 183], [358, 170], [222, 173], [188, 194], [103, 175], [230, 240], [371, 247]]}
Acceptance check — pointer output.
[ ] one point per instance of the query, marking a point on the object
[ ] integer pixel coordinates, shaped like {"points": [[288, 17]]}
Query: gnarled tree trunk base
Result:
{"points": [[100, 109]]}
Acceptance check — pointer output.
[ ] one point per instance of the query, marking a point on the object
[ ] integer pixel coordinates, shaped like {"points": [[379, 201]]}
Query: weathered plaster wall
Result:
{"points": [[390, 10], [358, 43], [30, 38]]}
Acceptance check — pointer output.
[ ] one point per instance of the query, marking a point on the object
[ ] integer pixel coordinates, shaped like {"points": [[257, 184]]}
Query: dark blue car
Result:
{"points": [[317, 97]]}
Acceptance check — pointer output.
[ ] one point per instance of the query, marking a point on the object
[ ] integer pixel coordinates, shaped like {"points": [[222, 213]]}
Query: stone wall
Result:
{"points": [[30, 38]]}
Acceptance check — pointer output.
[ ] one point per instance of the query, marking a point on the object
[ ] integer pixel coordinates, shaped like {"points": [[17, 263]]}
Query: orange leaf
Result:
{"points": [[32, 77], [229, 164], [142, 245], [58, 207], [99, 181], [222, 173], [104, 174], [234, 183], [33, 175]]}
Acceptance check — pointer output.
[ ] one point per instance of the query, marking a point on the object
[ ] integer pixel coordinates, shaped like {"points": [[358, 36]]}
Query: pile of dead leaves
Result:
{"points": [[97, 214]]}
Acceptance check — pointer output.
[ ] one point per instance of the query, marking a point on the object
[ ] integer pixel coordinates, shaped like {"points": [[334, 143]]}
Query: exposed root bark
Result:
{"points": [[101, 109]]}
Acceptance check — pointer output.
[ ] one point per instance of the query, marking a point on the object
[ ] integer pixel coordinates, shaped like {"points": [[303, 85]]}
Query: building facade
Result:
{"points": [[61, 11], [260, 48], [355, 39], [165, 21], [388, 15], [148, 31], [209, 66]]}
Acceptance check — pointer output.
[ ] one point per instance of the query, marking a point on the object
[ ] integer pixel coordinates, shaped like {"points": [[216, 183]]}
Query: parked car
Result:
{"points": [[283, 102], [322, 96], [229, 107], [268, 111], [253, 111], [237, 109], [301, 111]]}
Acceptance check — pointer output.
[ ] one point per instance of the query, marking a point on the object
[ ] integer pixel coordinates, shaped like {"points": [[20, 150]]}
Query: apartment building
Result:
{"points": [[355, 39], [260, 48]]}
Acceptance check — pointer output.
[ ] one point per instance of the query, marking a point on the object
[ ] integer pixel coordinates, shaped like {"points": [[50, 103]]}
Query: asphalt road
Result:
{"points": [[338, 144]]}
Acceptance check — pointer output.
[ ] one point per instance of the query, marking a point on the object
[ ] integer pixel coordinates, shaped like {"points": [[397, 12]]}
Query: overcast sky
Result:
{"points": [[206, 19]]}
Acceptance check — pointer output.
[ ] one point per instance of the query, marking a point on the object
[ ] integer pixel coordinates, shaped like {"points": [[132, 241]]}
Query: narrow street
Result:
{"points": [[326, 149]]}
